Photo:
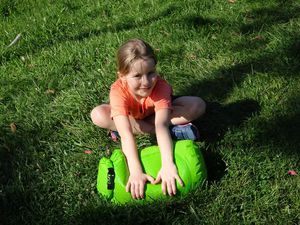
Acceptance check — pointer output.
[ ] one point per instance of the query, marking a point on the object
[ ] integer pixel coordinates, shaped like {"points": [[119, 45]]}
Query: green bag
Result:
{"points": [[113, 173]]}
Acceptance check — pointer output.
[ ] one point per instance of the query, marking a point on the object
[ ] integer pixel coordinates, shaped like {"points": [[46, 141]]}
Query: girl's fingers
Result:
{"points": [[157, 180], [151, 179], [169, 187], [137, 188], [141, 191], [179, 181], [137, 191], [133, 191], [173, 186], [128, 187], [163, 187]]}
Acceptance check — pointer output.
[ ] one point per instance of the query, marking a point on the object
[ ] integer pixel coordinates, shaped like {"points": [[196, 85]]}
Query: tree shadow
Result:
{"points": [[263, 17], [125, 25], [213, 126], [60, 34], [284, 59], [199, 22], [20, 173], [6, 158], [218, 118], [283, 62], [12, 197], [226, 78], [282, 130]]}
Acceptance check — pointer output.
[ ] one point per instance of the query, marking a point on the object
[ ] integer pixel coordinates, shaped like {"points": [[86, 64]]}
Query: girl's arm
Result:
{"points": [[168, 173], [137, 177]]}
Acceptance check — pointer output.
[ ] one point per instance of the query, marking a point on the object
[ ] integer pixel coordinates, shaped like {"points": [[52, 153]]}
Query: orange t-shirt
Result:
{"points": [[123, 103]]}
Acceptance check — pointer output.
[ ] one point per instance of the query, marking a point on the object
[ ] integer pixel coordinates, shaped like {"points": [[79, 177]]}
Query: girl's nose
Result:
{"points": [[145, 80]]}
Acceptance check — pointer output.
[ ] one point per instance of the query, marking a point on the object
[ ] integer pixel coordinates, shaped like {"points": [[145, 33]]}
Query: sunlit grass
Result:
{"points": [[241, 57]]}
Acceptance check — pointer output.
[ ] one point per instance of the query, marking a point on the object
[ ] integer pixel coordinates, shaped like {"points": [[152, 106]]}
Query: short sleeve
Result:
{"points": [[161, 95], [118, 102]]}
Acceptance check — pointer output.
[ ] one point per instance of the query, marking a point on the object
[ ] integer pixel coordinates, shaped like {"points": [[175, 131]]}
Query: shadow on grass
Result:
{"points": [[21, 198], [282, 131], [214, 124], [6, 158], [150, 213], [60, 34], [125, 25], [283, 62], [13, 197], [219, 118], [264, 17], [6, 174]]}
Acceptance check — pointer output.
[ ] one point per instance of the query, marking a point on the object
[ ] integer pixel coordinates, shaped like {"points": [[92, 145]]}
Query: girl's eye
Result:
{"points": [[151, 73]]}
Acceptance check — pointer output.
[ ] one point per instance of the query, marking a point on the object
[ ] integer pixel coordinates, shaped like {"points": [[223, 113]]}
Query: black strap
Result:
{"points": [[110, 178]]}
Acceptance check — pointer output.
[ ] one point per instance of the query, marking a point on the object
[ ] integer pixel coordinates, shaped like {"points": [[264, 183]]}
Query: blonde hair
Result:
{"points": [[131, 51]]}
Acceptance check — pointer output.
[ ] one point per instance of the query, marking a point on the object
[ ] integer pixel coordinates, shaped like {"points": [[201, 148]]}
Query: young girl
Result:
{"points": [[142, 102]]}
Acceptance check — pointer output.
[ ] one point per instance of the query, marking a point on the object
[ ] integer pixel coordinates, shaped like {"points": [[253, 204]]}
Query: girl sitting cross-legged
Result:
{"points": [[142, 102]]}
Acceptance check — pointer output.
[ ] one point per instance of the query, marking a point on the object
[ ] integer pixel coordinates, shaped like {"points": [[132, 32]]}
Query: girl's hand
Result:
{"points": [[136, 183], [168, 175]]}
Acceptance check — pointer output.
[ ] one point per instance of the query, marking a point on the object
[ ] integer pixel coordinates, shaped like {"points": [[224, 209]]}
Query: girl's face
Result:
{"points": [[141, 78]]}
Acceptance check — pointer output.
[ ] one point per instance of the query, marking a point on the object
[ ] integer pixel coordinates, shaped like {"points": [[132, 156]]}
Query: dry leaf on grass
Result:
{"points": [[258, 38], [50, 91], [292, 173], [88, 152], [13, 127]]}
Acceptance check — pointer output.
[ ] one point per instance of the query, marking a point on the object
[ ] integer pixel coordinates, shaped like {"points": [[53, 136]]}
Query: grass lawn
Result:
{"points": [[241, 56]]}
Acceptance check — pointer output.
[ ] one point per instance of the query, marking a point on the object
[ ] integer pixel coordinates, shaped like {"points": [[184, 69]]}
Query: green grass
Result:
{"points": [[243, 58]]}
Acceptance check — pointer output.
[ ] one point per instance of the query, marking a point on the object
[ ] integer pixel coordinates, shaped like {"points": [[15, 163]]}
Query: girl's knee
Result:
{"points": [[200, 107], [190, 107], [197, 108], [100, 115]]}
